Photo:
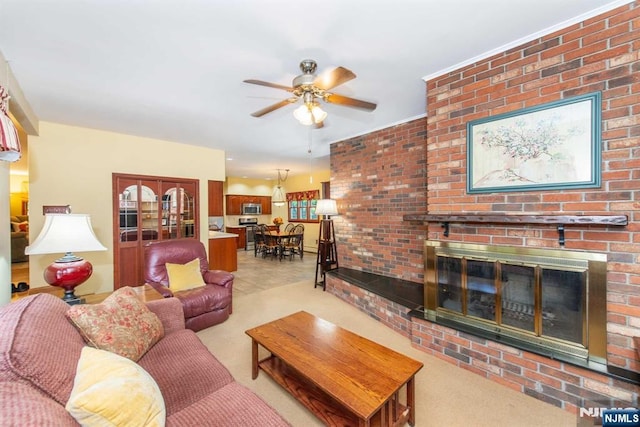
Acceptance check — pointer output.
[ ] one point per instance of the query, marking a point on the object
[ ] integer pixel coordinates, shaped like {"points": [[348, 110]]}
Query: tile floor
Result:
{"points": [[257, 274]]}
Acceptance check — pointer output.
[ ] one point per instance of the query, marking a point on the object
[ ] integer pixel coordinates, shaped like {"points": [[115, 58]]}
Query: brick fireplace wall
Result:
{"points": [[378, 177]]}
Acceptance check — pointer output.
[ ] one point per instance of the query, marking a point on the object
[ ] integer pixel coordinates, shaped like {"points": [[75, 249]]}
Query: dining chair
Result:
{"points": [[271, 244], [258, 240], [292, 243]]}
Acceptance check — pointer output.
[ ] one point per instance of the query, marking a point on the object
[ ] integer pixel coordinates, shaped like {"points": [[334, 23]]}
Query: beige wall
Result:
{"points": [[72, 165]]}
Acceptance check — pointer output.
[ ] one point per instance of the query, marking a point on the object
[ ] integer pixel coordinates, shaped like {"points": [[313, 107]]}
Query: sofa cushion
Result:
{"points": [[112, 390], [184, 276], [31, 328], [121, 324], [24, 405], [184, 369], [234, 405]]}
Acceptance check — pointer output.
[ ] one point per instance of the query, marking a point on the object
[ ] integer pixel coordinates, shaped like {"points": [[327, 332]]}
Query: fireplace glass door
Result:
{"points": [[481, 289], [547, 301], [563, 304], [518, 296], [533, 299]]}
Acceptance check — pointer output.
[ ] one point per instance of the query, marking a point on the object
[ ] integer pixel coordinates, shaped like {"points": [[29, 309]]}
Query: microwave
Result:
{"points": [[251, 209]]}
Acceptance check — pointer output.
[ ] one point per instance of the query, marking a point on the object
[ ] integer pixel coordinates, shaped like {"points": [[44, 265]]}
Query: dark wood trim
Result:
{"points": [[617, 220], [560, 221]]}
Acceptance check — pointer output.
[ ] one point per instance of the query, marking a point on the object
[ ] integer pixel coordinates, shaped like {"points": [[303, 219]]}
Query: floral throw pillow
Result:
{"points": [[121, 324]]}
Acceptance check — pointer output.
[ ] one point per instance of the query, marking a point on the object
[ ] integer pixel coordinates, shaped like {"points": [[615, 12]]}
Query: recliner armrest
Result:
{"points": [[219, 277], [162, 290]]}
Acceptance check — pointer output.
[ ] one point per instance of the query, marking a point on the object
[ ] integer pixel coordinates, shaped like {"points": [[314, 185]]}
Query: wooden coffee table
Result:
{"points": [[343, 378]]}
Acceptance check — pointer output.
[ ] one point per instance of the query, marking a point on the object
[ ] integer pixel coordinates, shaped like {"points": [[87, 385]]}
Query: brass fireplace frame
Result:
{"points": [[593, 264]]}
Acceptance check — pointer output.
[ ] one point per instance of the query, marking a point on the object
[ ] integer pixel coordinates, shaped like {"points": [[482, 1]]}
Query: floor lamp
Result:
{"points": [[327, 251]]}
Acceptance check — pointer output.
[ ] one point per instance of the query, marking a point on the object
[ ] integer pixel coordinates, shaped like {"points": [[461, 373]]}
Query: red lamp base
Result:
{"points": [[68, 275]]}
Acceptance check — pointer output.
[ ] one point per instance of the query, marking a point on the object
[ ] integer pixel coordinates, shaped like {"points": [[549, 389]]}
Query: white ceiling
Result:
{"points": [[174, 70]]}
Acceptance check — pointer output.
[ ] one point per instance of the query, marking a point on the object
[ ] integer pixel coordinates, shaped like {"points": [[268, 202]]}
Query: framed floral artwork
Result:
{"points": [[546, 147]]}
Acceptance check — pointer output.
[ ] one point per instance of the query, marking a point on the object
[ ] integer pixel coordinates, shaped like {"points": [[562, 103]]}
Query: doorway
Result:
{"points": [[19, 210]]}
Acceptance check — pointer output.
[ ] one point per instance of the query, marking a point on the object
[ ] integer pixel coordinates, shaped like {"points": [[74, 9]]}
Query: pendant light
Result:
{"points": [[278, 198]]}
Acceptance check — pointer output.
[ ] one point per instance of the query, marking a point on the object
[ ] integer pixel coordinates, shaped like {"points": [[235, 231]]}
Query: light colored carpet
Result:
{"points": [[445, 395]]}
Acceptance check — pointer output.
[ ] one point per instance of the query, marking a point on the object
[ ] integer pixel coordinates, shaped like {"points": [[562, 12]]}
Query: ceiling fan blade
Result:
{"points": [[349, 102], [274, 107], [274, 85], [330, 79]]}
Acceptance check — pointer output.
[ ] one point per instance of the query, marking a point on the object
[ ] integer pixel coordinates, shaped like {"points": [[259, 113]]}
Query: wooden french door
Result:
{"points": [[148, 208]]}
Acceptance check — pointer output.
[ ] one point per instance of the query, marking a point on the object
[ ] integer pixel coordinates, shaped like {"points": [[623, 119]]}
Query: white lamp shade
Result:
{"points": [[64, 233], [326, 207]]}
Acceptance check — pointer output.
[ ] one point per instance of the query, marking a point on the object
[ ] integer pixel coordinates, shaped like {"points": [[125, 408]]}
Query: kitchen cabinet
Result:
{"points": [[216, 198], [242, 235], [265, 201], [235, 202], [223, 254]]}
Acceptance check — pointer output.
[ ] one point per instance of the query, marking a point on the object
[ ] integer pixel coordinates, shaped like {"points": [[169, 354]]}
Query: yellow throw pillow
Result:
{"points": [[111, 390], [184, 276]]}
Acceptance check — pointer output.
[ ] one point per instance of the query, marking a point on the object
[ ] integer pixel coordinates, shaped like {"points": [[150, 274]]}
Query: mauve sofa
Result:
{"points": [[40, 348]]}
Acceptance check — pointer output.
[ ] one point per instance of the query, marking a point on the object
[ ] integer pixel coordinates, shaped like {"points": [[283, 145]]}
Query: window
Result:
{"points": [[302, 206]]}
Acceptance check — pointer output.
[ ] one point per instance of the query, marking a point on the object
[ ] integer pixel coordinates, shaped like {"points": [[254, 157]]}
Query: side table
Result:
{"points": [[144, 292]]}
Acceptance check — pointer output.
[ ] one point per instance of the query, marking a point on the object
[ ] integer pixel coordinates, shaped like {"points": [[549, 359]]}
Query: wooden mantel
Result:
{"points": [[559, 220]]}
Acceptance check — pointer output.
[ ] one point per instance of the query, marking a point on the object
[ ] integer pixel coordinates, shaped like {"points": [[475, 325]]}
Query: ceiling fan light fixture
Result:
{"points": [[309, 114], [318, 114], [303, 115]]}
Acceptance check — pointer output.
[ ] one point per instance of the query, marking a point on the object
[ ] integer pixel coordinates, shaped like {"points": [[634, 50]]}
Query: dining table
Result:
{"points": [[278, 243]]}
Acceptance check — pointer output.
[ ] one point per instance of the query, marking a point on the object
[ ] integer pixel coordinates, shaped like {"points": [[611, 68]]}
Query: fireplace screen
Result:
{"points": [[538, 296]]}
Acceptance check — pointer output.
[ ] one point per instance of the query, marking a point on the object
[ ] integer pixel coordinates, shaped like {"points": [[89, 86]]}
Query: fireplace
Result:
{"points": [[550, 302]]}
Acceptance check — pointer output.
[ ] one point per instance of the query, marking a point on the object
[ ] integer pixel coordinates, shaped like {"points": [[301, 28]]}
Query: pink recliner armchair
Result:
{"points": [[204, 306]]}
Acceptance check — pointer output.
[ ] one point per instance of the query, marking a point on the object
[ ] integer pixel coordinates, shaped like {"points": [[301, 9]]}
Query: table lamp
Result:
{"points": [[66, 233]]}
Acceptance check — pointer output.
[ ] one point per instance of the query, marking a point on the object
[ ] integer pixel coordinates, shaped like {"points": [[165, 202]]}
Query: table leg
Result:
{"points": [[394, 407], [254, 359], [411, 400]]}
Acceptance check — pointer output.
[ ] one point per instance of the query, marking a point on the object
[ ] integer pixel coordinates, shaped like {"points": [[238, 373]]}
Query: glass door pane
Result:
{"points": [[481, 289], [450, 283], [128, 211], [563, 302], [188, 213], [170, 209], [518, 296], [148, 212]]}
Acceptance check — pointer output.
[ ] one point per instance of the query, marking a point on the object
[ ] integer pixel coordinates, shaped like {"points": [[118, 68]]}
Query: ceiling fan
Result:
{"points": [[310, 88]]}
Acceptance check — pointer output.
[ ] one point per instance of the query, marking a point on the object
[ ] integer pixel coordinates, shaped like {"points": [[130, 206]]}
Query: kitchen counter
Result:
{"points": [[223, 252], [241, 231], [221, 235]]}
